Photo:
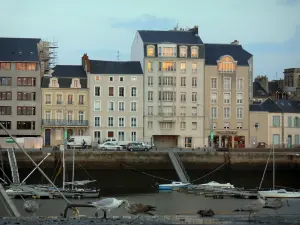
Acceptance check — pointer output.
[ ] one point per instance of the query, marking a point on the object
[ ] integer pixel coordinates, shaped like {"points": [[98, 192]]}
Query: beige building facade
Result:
{"points": [[173, 65], [116, 99], [65, 104], [228, 88]]}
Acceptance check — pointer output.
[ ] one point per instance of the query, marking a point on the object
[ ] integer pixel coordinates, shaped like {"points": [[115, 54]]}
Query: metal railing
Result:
{"points": [[53, 122], [182, 166]]}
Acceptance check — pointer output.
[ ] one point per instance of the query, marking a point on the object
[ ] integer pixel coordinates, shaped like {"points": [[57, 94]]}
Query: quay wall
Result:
{"points": [[95, 160]]}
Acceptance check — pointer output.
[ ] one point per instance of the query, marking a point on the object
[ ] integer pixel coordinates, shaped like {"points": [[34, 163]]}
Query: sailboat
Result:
{"points": [[276, 193]]}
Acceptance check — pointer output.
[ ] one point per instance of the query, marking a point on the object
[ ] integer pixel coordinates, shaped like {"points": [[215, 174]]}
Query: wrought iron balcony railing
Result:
{"points": [[53, 122]]}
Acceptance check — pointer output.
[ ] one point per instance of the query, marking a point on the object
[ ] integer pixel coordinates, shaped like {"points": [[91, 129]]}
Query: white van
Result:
{"points": [[76, 141]]}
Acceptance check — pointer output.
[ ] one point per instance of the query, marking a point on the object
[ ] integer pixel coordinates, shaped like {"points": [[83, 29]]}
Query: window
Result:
{"points": [[167, 81], [150, 124], [70, 99], [81, 100], [53, 83], [194, 111], [133, 92], [183, 67], [183, 81], [59, 115], [214, 126], [5, 66], [297, 139], [150, 66], [194, 81], [48, 99], [70, 116], [182, 111], [5, 81], [121, 79], [25, 125], [150, 95], [111, 79], [81, 116], [194, 125], [169, 51], [150, 51], [213, 83], [97, 121], [214, 98], [59, 99], [150, 81], [110, 134], [97, 91], [25, 110], [167, 96], [75, 84], [6, 124], [110, 121], [188, 142], [97, 136], [111, 91], [6, 110], [133, 122], [111, 106], [121, 106], [240, 84], [289, 121], [227, 83], [183, 51], [96, 105], [133, 136], [26, 66], [182, 125], [26, 81], [276, 121], [48, 115], [239, 98], [296, 122], [121, 122], [226, 113], [5, 95], [276, 139], [239, 126], [226, 125], [166, 125], [150, 110], [167, 66], [239, 113], [133, 78], [226, 98], [194, 52], [226, 64], [194, 67], [183, 97], [97, 78], [194, 96], [121, 92], [121, 136], [133, 106], [29, 96]]}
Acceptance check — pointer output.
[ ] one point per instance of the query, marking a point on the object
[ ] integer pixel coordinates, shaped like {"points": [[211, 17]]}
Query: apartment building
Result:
{"points": [[65, 104], [20, 93], [275, 123], [228, 88], [173, 65], [116, 99]]}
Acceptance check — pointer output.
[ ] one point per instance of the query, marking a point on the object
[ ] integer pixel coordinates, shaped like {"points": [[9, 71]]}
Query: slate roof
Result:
{"points": [[172, 36], [281, 105], [19, 49], [214, 51], [289, 106], [274, 87], [65, 73], [115, 67], [259, 91]]}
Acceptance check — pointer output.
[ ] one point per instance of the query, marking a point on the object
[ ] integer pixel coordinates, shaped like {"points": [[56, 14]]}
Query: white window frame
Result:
{"points": [[99, 121], [150, 94], [124, 122], [182, 84], [197, 50], [81, 113], [108, 125], [196, 82], [227, 78], [224, 99], [95, 91], [237, 84], [211, 83], [183, 55], [242, 117], [113, 133], [148, 111], [237, 99], [119, 106], [229, 116], [150, 46], [119, 135], [150, 81], [114, 106], [196, 96], [94, 135], [99, 105], [211, 112], [132, 136], [136, 121], [119, 91], [136, 106], [150, 70], [97, 76], [182, 70], [133, 78], [194, 70], [111, 80], [211, 99], [121, 79], [136, 92], [114, 93]]}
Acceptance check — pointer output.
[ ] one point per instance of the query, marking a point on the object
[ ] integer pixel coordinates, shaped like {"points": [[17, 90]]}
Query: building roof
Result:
{"points": [[115, 67], [64, 82], [280, 106], [179, 37], [213, 52], [71, 71], [274, 87], [19, 49], [259, 91]]}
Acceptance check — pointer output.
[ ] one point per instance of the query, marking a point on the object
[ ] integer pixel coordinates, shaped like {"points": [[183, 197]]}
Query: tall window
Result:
{"points": [[97, 91], [227, 83], [150, 95], [150, 51], [213, 83], [97, 105], [194, 96], [97, 121], [133, 106], [70, 115], [183, 67], [183, 51], [133, 92], [70, 99], [110, 121], [133, 122], [111, 106], [194, 52], [121, 92], [276, 121], [194, 67], [150, 66], [226, 113], [239, 98], [121, 136], [81, 116], [226, 64], [226, 97], [214, 112], [111, 91], [150, 81], [121, 121], [240, 84], [239, 113], [183, 81], [214, 98], [133, 136], [194, 81], [167, 66], [121, 107]]}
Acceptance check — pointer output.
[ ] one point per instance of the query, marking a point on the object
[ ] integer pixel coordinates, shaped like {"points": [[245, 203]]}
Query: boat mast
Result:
{"points": [[273, 167]]}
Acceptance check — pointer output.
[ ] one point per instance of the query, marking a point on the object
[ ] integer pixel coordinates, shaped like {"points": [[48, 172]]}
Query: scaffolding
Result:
{"points": [[48, 55]]}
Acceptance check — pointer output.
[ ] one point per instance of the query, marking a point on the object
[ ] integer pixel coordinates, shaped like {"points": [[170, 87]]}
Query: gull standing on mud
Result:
{"points": [[253, 207], [106, 205], [138, 208], [275, 204]]}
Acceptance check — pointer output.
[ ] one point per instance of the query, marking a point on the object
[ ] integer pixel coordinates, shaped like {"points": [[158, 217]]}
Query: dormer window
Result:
{"points": [[75, 83], [183, 51], [150, 51], [194, 52], [53, 83], [226, 64]]}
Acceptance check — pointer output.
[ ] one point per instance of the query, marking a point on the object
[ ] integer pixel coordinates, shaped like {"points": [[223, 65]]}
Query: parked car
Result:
{"points": [[109, 146], [137, 146]]}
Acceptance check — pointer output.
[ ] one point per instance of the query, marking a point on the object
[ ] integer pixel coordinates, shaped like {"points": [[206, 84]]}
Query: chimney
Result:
{"points": [[196, 30], [235, 42], [86, 62]]}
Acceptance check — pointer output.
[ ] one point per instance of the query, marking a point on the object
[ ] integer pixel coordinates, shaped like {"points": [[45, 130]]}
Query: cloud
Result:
{"points": [[145, 22], [288, 2]]}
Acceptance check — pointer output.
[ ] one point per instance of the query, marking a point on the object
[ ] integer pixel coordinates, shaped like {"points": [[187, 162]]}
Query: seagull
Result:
{"points": [[31, 207], [138, 208], [253, 207], [106, 205], [275, 204]]}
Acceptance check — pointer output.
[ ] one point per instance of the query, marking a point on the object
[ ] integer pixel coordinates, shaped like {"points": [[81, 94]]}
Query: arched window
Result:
{"points": [[226, 64]]}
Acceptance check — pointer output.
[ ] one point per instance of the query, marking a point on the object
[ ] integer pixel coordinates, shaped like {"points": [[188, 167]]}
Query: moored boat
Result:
{"points": [[280, 193], [215, 184], [173, 185]]}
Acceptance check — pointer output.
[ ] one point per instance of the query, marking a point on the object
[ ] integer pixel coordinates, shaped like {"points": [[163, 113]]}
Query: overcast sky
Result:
{"points": [[269, 29]]}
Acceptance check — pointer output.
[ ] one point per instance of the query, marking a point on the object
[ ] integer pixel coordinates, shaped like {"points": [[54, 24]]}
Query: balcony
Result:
{"points": [[70, 123]]}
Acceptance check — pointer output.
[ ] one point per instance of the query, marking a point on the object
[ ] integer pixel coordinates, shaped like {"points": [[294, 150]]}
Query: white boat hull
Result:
{"points": [[172, 186], [279, 194]]}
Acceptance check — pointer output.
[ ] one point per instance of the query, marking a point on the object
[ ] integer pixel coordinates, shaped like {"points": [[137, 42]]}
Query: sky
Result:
{"points": [[268, 29]]}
